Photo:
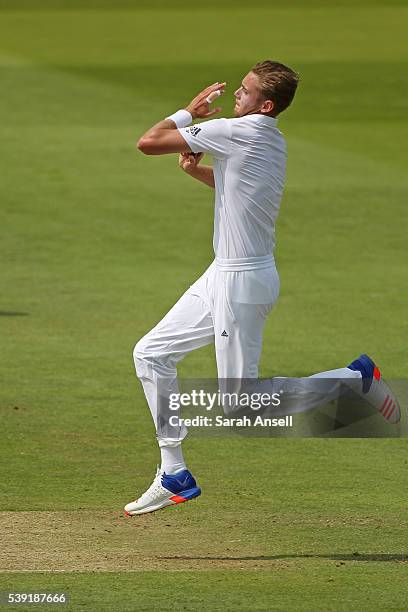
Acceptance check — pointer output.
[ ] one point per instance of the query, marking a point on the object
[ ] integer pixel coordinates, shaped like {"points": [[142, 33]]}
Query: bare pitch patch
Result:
{"points": [[91, 540], [88, 540]]}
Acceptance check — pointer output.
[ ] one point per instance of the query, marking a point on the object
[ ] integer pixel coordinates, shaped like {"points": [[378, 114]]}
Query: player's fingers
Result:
{"points": [[216, 87], [213, 96], [184, 159], [213, 112], [215, 91], [196, 158], [210, 86]]}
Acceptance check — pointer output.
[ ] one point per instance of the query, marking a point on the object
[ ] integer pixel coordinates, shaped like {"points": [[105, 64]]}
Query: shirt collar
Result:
{"points": [[264, 119]]}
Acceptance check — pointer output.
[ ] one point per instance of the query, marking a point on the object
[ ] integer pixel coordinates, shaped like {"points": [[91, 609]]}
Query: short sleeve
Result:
{"points": [[212, 137]]}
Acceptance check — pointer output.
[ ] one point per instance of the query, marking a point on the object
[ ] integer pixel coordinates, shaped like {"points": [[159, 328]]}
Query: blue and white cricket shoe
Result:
{"points": [[375, 390], [165, 490]]}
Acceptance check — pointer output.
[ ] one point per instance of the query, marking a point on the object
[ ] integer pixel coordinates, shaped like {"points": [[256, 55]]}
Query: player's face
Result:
{"points": [[248, 98]]}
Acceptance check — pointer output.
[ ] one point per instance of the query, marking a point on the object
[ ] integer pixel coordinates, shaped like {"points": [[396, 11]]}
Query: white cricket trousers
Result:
{"points": [[227, 305]]}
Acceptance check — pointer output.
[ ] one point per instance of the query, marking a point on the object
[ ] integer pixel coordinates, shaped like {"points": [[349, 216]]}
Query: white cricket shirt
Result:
{"points": [[249, 170]]}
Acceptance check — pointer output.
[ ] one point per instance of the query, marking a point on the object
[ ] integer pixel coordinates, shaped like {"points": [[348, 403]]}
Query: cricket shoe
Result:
{"points": [[375, 390], [165, 490]]}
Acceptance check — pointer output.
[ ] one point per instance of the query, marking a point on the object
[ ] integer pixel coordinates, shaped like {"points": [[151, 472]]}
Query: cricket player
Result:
{"points": [[229, 304]]}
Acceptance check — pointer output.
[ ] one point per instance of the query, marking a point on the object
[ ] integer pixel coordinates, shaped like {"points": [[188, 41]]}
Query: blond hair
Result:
{"points": [[278, 83]]}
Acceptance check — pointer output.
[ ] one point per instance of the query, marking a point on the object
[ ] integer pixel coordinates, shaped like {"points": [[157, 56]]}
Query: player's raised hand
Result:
{"points": [[199, 107], [189, 161]]}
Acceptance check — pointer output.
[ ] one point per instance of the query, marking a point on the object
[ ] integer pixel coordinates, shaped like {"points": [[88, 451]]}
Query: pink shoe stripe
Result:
{"points": [[384, 406], [389, 406], [389, 410], [392, 411]]}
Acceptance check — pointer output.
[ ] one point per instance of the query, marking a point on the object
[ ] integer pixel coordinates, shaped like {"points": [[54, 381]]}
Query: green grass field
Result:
{"points": [[98, 241]]}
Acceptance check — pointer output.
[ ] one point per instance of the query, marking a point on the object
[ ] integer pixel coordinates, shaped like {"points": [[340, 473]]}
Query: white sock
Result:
{"points": [[172, 459]]}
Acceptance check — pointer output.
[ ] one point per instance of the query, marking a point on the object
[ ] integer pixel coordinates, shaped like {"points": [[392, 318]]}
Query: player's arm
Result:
{"points": [[190, 164], [164, 137]]}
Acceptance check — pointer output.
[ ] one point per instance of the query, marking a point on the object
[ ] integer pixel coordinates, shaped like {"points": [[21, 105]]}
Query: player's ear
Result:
{"points": [[267, 106]]}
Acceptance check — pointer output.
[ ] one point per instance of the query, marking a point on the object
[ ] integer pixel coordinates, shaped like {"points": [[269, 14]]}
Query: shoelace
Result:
{"points": [[155, 488]]}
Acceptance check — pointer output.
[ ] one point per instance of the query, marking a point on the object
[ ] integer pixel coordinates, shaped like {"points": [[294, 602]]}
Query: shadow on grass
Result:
{"points": [[356, 556], [11, 313]]}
